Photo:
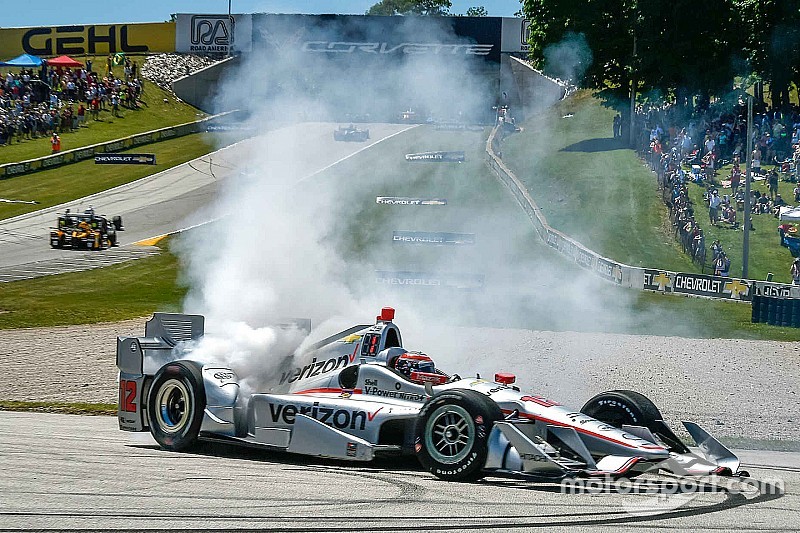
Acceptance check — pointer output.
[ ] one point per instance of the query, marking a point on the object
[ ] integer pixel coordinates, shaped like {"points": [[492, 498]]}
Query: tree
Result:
{"points": [[411, 7], [681, 45], [771, 43], [606, 27], [477, 11]]}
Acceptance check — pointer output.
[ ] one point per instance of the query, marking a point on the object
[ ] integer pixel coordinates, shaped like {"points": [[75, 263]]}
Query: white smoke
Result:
{"points": [[290, 244], [271, 256], [569, 58]]}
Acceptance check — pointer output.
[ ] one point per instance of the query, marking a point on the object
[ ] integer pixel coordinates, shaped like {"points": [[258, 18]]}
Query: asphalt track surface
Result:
{"points": [[64, 472], [165, 202]]}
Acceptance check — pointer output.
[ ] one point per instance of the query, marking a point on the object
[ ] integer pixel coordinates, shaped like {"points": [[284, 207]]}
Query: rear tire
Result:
{"points": [[626, 407], [452, 434], [175, 405]]}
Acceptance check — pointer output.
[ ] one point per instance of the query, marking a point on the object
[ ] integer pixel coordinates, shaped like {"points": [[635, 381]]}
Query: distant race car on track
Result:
{"points": [[350, 133], [85, 230], [359, 394]]}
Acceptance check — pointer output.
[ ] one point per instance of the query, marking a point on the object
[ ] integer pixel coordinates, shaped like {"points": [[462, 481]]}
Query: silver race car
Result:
{"points": [[359, 394]]}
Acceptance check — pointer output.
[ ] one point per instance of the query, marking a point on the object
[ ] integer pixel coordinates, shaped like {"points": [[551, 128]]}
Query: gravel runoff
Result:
{"points": [[163, 69], [735, 388]]}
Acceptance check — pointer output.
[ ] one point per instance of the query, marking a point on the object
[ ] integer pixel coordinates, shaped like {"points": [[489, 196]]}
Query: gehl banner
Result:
{"points": [[88, 39]]}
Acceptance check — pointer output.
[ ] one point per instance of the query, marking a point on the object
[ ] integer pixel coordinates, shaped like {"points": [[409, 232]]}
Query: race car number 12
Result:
{"points": [[127, 395]]}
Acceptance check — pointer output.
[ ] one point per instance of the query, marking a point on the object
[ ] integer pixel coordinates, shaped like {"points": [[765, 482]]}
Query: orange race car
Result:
{"points": [[85, 230]]}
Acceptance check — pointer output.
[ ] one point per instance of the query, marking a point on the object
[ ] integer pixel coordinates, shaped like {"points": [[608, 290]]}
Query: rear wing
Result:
{"points": [[139, 357], [161, 334]]}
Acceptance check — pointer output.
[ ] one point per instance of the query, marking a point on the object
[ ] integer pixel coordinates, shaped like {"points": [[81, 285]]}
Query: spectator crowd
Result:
{"points": [[39, 102], [683, 146]]}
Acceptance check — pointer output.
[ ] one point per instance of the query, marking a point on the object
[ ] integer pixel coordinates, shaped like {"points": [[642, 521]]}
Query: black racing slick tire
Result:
{"points": [[175, 405], [625, 407], [452, 433]]}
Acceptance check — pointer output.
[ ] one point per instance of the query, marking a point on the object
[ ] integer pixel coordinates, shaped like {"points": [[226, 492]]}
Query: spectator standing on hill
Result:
{"points": [[736, 176], [773, 184], [617, 125], [55, 143], [713, 207], [719, 264], [795, 271], [756, 161]]}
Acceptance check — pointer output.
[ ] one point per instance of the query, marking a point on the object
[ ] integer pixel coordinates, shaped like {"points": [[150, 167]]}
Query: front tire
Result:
{"points": [[452, 434], [175, 405], [626, 407]]}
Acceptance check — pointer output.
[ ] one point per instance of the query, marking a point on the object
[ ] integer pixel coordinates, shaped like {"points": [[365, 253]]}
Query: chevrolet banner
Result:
{"points": [[125, 159]]}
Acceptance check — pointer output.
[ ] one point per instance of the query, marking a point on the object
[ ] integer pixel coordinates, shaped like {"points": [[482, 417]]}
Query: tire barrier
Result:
{"points": [[10, 170], [776, 311], [691, 284]]}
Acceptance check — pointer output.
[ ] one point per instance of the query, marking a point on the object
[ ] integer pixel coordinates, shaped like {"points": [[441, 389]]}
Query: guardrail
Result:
{"points": [[648, 279], [9, 170]]}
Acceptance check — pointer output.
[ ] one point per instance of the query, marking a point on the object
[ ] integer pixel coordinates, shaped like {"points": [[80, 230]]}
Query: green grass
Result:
{"points": [[58, 185], [475, 201], [600, 193], [118, 292], [593, 188], [766, 253], [79, 408], [153, 114]]}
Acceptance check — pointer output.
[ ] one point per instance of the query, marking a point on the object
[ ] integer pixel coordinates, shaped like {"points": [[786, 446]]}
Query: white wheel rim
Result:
{"points": [[174, 406]]}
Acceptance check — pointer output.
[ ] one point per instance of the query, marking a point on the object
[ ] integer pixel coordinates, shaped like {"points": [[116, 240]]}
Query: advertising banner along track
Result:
{"points": [[438, 157]]}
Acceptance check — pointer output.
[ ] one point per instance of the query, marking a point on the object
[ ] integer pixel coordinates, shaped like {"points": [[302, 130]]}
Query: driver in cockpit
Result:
{"points": [[409, 363]]}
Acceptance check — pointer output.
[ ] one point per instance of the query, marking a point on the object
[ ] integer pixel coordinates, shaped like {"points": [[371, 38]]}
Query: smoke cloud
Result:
{"points": [[271, 256], [569, 58], [296, 242]]}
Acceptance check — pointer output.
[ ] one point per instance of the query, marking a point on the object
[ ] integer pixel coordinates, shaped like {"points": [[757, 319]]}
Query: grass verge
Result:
{"points": [[59, 185], [106, 409], [596, 190], [118, 292], [476, 201], [593, 188], [154, 113]]}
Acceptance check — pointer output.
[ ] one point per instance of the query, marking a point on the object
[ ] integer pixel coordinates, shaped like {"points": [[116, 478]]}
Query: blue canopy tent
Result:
{"points": [[25, 60]]}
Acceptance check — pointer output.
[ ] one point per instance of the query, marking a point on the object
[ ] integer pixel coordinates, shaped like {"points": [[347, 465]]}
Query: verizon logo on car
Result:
{"points": [[315, 368], [347, 47], [338, 418]]}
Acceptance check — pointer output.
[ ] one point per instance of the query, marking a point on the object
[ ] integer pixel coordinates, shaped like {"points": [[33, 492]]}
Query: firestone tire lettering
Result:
{"points": [[479, 407]]}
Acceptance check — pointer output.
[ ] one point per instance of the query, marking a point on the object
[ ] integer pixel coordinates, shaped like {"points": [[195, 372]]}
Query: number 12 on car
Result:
{"points": [[127, 395]]}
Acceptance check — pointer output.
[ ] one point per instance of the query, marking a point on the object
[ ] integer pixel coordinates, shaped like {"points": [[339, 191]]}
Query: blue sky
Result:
{"points": [[59, 12]]}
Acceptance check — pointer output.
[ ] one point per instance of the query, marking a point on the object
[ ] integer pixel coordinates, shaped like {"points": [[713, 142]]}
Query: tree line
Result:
{"points": [[676, 49]]}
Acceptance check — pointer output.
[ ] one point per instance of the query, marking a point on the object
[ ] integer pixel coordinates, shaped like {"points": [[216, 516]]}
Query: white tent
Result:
{"points": [[790, 214]]}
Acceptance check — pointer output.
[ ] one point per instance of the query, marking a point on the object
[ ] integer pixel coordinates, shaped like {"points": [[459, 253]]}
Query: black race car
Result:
{"points": [[350, 133]]}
